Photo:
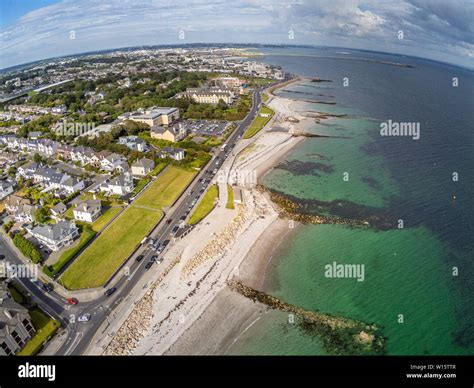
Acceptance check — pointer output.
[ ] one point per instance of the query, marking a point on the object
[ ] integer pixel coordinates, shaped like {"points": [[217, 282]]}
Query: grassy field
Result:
{"points": [[86, 235], [105, 218], [102, 258], [45, 327], [230, 197], [166, 189], [259, 122], [205, 206]]}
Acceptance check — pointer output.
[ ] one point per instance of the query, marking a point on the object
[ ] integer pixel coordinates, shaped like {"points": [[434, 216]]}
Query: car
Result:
{"points": [[182, 218], [149, 264], [40, 246], [175, 229], [139, 258], [72, 301], [191, 192], [151, 242], [165, 243], [110, 291], [2, 257], [84, 318], [153, 258], [48, 287], [159, 250], [168, 221]]}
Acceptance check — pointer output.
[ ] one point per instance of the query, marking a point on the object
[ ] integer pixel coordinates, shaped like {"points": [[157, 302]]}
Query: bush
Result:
{"points": [[27, 248]]}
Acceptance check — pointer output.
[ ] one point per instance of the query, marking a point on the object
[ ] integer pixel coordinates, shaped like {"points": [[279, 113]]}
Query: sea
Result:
{"points": [[418, 283]]}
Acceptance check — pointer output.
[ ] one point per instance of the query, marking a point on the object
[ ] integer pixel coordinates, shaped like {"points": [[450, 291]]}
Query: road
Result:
{"points": [[80, 334]]}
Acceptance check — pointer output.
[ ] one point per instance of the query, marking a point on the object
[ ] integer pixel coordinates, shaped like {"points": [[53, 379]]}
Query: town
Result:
{"points": [[95, 149]]}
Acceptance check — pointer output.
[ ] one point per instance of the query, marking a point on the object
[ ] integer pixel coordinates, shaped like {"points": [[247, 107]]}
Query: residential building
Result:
{"points": [[16, 327], [134, 143], [58, 211], [88, 211], [21, 209], [55, 236], [142, 167], [6, 188], [111, 162], [208, 96], [172, 152], [121, 185], [175, 133]]}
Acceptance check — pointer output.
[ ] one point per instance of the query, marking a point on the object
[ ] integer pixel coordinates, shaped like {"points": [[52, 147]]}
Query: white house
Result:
{"points": [[88, 211], [121, 185], [6, 188], [55, 236], [142, 167], [111, 162]]}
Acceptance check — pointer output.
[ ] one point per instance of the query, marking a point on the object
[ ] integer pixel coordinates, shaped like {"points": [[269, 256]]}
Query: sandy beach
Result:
{"points": [[191, 310]]}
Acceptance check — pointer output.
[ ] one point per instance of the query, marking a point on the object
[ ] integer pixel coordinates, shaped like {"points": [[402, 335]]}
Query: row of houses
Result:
{"points": [[51, 178], [210, 95]]}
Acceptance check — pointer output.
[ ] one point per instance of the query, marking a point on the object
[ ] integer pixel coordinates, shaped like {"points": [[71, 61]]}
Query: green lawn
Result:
{"points": [[230, 197], [105, 218], [140, 185], [166, 189], [205, 206], [158, 168], [259, 122], [45, 327], [102, 258]]}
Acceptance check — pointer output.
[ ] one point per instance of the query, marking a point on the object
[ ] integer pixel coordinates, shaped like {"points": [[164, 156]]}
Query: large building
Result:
{"points": [[16, 327], [142, 167], [209, 96], [153, 116]]}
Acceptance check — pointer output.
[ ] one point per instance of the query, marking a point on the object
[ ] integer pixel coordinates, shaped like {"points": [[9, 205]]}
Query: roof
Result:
{"points": [[53, 232], [144, 162], [59, 208], [11, 313], [89, 206]]}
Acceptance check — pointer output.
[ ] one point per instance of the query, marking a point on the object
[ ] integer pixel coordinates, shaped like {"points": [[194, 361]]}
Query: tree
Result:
{"points": [[41, 215], [37, 158]]}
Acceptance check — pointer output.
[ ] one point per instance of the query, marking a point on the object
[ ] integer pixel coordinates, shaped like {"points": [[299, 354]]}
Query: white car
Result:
{"points": [[84, 318]]}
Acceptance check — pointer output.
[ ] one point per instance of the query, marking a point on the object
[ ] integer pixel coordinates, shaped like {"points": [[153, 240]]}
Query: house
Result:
{"points": [[20, 208], [121, 185], [34, 135], [122, 167], [27, 170], [58, 210], [55, 236], [111, 162], [142, 167], [59, 110], [134, 143], [6, 188], [16, 327], [54, 179], [172, 152], [88, 211], [175, 133]]}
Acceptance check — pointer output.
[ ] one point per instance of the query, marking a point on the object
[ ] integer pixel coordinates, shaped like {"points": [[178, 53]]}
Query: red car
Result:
{"points": [[72, 301]]}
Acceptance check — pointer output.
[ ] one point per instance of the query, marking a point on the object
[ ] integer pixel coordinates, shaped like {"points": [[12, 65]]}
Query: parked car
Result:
{"points": [[165, 243], [110, 291], [139, 258], [84, 318], [153, 258], [168, 221], [2, 257], [72, 301], [151, 241], [175, 229]]}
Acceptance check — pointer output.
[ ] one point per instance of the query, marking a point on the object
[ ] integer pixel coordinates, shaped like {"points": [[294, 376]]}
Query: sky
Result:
{"points": [[31, 30]]}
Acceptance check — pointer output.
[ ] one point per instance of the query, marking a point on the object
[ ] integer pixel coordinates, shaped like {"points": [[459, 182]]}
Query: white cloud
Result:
{"points": [[431, 29]]}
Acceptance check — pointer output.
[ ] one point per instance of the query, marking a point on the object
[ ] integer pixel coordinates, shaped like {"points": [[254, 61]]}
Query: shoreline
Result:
{"points": [[193, 299]]}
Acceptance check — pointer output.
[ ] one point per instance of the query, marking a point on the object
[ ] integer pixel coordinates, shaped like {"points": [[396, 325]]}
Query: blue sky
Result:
{"points": [[440, 30]]}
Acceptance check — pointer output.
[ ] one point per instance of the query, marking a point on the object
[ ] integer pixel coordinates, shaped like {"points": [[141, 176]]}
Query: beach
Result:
{"points": [[193, 299]]}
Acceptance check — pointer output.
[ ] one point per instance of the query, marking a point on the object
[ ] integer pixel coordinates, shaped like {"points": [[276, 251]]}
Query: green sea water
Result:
{"points": [[409, 289]]}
